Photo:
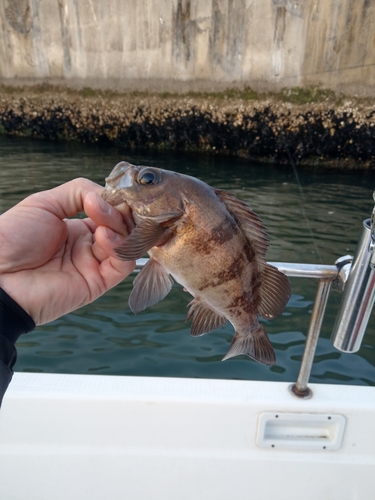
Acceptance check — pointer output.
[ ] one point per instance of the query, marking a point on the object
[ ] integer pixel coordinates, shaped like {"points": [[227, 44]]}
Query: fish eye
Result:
{"points": [[148, 176]]}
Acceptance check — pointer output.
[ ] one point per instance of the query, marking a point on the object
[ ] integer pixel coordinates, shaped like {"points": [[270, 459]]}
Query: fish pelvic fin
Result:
{"points": [[254, 344], [150, 286]]}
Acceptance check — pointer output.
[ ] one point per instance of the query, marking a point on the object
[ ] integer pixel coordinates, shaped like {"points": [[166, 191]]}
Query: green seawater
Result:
{"points": [[312, 217]]}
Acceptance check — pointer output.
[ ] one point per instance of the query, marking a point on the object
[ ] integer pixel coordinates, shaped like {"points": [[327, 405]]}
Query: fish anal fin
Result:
{"points": [[274, 292], [144, 236], [254, 344], [205, 320], [150, 286], [249, 222]]}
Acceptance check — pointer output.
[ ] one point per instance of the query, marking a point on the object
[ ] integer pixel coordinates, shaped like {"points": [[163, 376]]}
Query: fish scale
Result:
{"points": [[211, 243]]}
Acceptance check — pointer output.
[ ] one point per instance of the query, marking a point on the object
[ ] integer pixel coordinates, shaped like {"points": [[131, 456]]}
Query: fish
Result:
{"points": [[210, 242]]}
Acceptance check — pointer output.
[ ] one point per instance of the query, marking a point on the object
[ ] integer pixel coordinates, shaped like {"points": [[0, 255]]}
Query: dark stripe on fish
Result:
{"points": [[230, 273]]}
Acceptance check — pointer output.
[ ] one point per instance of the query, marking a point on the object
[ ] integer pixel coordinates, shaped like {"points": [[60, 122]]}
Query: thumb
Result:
{"points": [[63, 201]]}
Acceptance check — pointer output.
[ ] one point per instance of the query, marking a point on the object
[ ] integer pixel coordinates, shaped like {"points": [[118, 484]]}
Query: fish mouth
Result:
{"points": [[121, 177], [112, 196]]}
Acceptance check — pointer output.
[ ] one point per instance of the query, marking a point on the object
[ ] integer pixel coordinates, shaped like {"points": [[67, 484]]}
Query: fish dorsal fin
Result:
{"points": [[274, 292], [275, 288], [248, 221], [205, 320], [144, 236], [150, 286]]}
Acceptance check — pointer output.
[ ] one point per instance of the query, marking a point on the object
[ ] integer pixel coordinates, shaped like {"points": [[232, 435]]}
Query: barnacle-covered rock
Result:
{"points": [[267, 129]]}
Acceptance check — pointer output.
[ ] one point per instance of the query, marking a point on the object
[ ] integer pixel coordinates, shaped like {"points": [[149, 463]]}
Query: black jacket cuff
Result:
{"points": [[14, 321]]}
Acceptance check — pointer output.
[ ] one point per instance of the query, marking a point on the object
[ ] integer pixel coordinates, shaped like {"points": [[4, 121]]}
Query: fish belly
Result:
{"points": [[220, 278]]}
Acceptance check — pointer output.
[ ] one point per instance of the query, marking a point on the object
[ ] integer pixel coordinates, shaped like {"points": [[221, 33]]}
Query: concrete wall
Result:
{"points": [[189, 44]]}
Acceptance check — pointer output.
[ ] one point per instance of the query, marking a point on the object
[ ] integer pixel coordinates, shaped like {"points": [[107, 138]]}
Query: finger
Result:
{"points": [[107, 240], [90, 224], [114, 271], [119, 219], [99, 253]]}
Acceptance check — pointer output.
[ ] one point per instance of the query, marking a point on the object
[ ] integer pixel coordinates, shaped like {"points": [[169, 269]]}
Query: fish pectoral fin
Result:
{"points": [[144, 236], [205, 320], [255, 344], [150, 286], [274, 293], [169, 217]]}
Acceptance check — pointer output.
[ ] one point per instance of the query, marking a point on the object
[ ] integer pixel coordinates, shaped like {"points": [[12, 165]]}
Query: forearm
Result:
{"points": [[14, 321]]}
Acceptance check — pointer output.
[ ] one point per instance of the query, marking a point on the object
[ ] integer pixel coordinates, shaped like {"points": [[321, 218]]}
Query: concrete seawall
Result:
{"points": [[183, 45]]}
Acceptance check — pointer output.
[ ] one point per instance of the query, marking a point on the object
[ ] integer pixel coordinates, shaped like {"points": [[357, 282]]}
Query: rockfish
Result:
{"points": [[211, 243]]}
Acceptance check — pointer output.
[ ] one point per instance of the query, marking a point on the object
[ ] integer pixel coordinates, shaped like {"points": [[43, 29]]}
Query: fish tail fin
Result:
{"points": [[254, 344]]}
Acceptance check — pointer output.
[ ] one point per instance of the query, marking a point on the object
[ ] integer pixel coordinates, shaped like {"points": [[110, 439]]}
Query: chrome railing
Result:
{"points": [[358, 282], [358, 297]]}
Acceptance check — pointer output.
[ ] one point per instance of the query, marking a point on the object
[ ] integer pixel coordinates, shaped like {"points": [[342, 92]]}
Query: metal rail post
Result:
{"points": [[300, 388]]}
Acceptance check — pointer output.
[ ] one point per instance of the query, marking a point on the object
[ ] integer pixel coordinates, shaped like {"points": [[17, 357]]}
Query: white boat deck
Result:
{"points": [[68, 437]]}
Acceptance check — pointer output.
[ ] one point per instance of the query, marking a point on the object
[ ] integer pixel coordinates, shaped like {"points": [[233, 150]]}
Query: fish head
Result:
{"points": [[149, 191]]}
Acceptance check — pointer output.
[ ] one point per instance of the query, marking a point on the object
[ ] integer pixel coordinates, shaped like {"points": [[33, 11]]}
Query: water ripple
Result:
{"points": [[315, 221]]}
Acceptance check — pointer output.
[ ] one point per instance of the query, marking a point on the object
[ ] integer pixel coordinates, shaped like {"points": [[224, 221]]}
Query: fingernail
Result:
{"points": [[111, 235], [103, 205]]}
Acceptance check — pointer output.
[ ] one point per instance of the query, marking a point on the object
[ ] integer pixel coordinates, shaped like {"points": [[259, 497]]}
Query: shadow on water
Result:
{"points": [[314, 222]]}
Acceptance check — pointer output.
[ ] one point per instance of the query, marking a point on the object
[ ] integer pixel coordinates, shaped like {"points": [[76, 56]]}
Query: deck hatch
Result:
{"points": [[300, 431]]}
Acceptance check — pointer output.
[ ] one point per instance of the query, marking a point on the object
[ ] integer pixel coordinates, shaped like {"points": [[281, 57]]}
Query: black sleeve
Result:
{"points": [[14, 321]]}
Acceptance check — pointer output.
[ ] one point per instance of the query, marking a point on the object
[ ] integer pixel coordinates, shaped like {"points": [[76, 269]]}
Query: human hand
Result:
{"points": [[51, 265]]}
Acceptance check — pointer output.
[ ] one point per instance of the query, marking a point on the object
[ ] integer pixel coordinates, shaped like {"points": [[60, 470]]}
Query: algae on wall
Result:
{"points": [[189, 44]]}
